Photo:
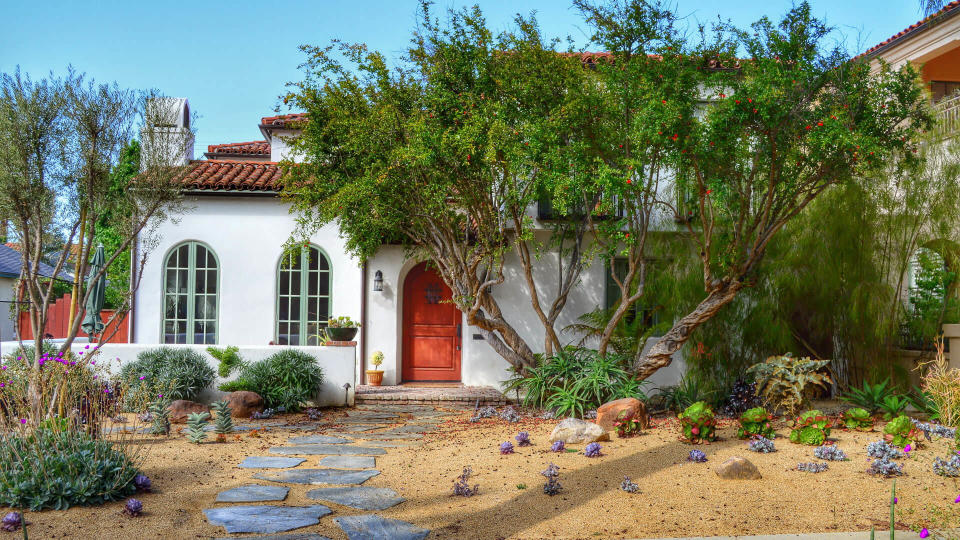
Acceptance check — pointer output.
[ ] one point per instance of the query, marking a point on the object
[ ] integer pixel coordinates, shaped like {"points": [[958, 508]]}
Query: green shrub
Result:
{"points": [[183, 372], [288, 379], [858, 419], [810, 428], [575, 380], [900, 432], [755, 421], [51, 469], [698, 423], [786, 382]]}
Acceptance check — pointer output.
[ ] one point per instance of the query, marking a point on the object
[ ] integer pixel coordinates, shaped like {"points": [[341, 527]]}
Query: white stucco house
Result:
{"points": [[216, 277]]}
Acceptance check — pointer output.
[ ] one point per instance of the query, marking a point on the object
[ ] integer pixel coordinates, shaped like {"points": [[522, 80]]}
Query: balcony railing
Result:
{"points": [[948, 115]]}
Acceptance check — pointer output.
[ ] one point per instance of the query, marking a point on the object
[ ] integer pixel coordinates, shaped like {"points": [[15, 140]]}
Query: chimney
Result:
{"points": [[166, 138]]}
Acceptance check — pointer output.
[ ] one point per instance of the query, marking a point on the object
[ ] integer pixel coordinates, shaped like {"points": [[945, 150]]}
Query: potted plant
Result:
{"points": [[341, 329], [375, 375]]}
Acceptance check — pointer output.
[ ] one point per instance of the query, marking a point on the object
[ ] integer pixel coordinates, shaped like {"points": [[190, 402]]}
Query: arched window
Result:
{"points": [[190, 287], [303, 296]]}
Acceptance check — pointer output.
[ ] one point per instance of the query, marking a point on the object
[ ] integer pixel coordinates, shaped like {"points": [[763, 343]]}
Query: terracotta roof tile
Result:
{"points": [[945, 11], [283, 120], [250, 148], [221, 174]]}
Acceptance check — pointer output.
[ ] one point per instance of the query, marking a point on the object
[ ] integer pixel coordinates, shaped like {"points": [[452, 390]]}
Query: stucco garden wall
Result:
{"points": [[339, 365]]}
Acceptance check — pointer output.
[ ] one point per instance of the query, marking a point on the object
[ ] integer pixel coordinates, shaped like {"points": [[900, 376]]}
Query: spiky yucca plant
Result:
{"points": [[195, 424], [223, 423]]}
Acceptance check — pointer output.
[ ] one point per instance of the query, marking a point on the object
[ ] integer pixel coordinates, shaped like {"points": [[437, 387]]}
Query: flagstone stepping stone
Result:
{"points": [[388, 436], [269, 462], [253, 493], [318, 439], [392, 444], [411, 428], [357, 428], [361, 497], [361, 420], [318, 476], [348, 462], [371, 414], [294, 536], [265, 519], [374, 527], [327, 449]]}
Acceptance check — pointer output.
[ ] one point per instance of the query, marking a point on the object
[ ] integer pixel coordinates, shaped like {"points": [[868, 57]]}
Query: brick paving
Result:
{"points": [[453, 396]]}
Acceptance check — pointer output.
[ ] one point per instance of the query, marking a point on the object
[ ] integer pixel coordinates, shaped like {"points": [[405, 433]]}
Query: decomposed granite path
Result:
{"points": [[349, 460]]}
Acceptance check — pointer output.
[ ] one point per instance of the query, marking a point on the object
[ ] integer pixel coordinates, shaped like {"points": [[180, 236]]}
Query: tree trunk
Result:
{"points": [[661, 354]]}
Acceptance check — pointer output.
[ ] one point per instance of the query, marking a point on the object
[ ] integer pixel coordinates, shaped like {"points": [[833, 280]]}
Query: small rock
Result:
{"points": [[576, 431], [181, 408], [738, 468], [609, 412], [244, 403]]}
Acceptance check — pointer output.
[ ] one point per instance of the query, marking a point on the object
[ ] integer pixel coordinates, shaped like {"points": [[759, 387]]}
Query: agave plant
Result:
{"points": [[223, 423], [869, 397], [786, 382], [195, 424]]}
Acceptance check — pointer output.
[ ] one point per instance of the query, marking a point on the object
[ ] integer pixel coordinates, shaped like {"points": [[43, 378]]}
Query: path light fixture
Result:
{"points": [[378, 281]]}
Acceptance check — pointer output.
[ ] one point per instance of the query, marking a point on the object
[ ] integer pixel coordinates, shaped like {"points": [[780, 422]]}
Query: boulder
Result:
{"points": [[244, 403], [576, 431], [181, 408], [608, 413], [738, 468]]}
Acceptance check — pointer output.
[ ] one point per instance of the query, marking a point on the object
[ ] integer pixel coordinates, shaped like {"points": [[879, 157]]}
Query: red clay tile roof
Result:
{"points": [[251, 148], [947, 11], [283, 120], [221, 174]]}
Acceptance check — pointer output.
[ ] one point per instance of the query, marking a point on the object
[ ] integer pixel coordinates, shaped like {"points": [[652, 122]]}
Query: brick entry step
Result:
{"points": [[447, 395]]}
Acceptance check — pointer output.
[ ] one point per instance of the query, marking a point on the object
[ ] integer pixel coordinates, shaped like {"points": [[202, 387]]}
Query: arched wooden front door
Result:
{"points": [[431, 328]]}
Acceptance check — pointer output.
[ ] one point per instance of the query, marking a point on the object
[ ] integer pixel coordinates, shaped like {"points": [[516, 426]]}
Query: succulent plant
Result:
{"points": [[743, 396], [829, 452], [195, 424], [762, 445], [811, 428], [223, 423], [264, 414], [142, 482], [593, 450], [506, 447], [523, 439], [947, 467], [858, 419], [755, 421], [313, 413], [900, 432], [629, 486], [133, 508], [885, 467], [510, 415], [552, 487], [483, 412], [558, 446], [12, 522], [461, 487], [812, 467], [697, 456], [939, 430], [697, 423], [882, 450], [159, 412]]}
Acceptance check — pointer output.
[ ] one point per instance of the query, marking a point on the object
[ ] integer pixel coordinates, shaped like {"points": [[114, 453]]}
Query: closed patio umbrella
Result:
{"points": [[92, 323]]}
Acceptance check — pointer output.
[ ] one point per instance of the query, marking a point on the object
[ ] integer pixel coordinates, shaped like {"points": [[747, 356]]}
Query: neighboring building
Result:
{"points": [[10, 265]]}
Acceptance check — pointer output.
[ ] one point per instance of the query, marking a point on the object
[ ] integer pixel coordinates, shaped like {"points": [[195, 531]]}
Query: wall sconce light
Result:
{"points": [[378, 281]]}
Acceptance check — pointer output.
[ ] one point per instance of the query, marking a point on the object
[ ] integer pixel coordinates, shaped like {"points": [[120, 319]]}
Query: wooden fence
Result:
{"points": [[58, 317]]}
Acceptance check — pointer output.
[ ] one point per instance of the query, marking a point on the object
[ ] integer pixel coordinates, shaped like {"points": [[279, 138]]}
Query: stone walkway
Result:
{"points": [[349, 456], [442, 395]]}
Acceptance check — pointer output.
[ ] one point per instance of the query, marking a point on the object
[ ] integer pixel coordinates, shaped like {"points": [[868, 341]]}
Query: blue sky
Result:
{"points": [[231, 59]]}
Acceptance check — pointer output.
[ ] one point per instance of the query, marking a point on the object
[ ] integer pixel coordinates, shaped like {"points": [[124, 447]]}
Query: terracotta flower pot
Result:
{"points": [[374, 377]]}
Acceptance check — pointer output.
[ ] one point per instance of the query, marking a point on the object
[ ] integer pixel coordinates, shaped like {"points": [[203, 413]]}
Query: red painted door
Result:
{"points": [[431, 328]]}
